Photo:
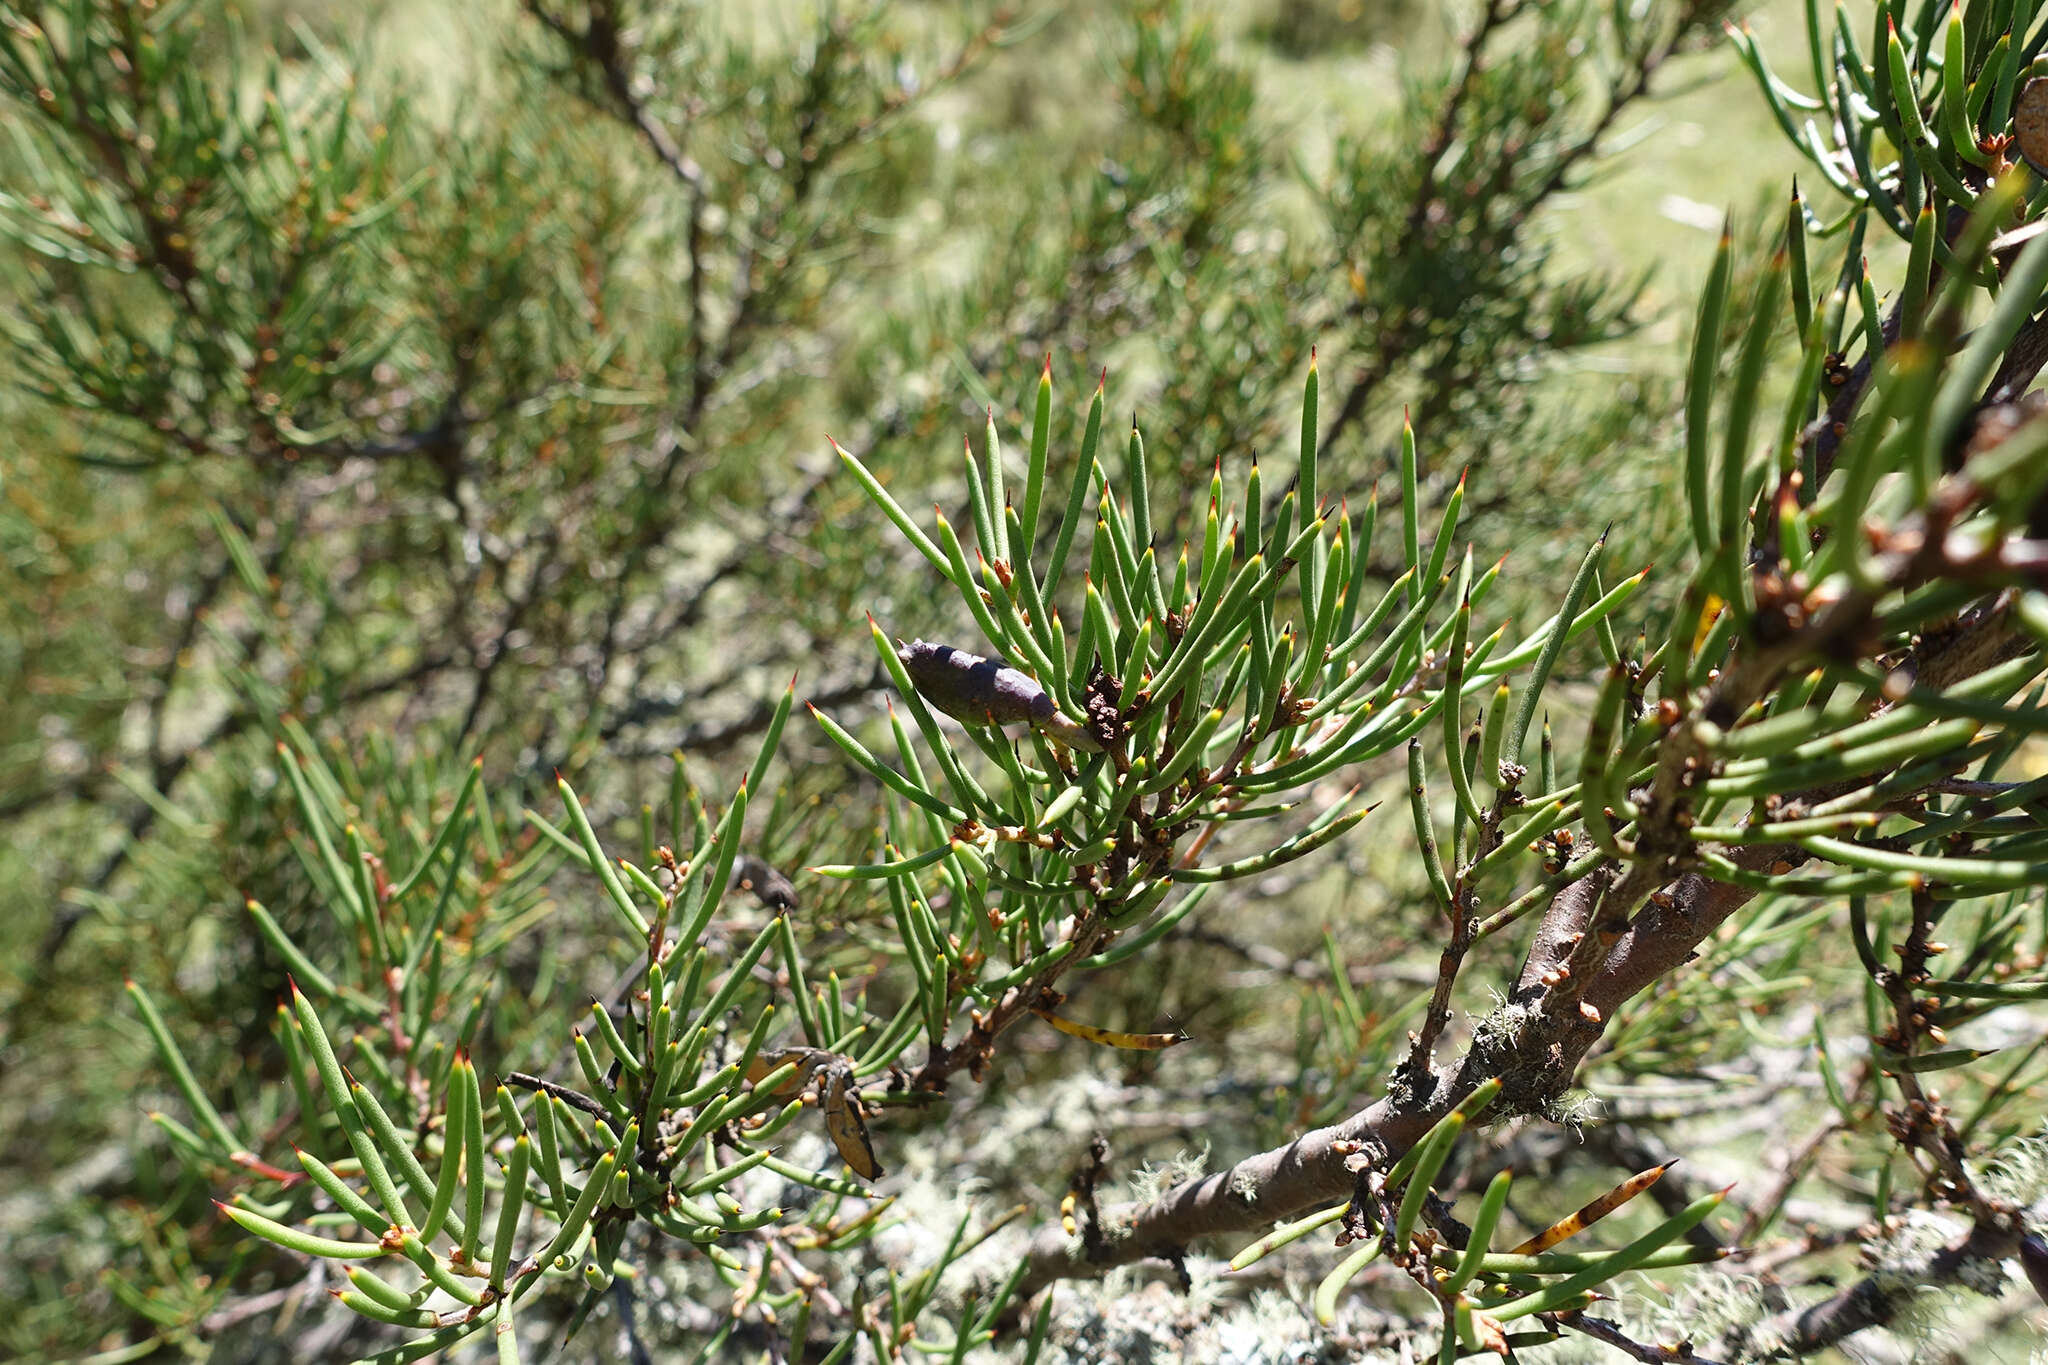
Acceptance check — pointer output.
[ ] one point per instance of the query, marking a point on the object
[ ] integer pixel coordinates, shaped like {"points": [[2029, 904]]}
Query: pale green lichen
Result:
{"points": [[2017, 1173], [1153, 1179], [1135, 1320]]}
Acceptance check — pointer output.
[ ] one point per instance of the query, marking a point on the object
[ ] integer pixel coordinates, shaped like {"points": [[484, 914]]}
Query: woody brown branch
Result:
{"points": [[1879, 1298], [1309, 1171]]}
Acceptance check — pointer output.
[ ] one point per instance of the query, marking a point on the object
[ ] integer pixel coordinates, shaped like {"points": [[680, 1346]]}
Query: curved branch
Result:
{"points": [[1264, 1189], [1878, 1299]]}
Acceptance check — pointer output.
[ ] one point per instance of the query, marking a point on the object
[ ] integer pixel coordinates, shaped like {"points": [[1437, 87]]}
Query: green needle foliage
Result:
{"points": [[472, 437], [1054, 844]]}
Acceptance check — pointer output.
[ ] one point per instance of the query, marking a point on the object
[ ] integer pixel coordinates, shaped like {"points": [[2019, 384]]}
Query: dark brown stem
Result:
{"points": [[1925, 1124], [1877, 1299], [1464, 925], [1607, 1333], [575, 1099]]}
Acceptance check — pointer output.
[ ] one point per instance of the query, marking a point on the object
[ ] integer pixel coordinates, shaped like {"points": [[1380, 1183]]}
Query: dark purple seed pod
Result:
{"points": [[769, 886], [982, 691], [970, 688], [2034, 1260]]}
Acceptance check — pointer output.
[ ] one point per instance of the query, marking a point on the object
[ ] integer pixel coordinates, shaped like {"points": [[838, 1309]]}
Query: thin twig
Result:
{"points": [[575, 1098]]}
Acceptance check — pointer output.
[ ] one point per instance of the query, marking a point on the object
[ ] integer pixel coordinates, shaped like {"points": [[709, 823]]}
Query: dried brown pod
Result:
{"points": [[767, 1063], [983, 691], [2030, 123], [844, 1125], [837, 1097]]}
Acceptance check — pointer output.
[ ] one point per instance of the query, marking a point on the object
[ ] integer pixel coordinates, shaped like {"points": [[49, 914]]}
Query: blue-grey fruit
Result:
{"points": [[982, 691]]}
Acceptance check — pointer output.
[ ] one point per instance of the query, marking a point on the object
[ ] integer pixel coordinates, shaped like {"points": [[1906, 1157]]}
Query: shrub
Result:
{"points": [[1782, 838]]}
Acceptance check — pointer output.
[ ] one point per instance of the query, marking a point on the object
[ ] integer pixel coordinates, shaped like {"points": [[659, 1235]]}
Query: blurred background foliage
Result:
{"points": [[437, 380]]}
